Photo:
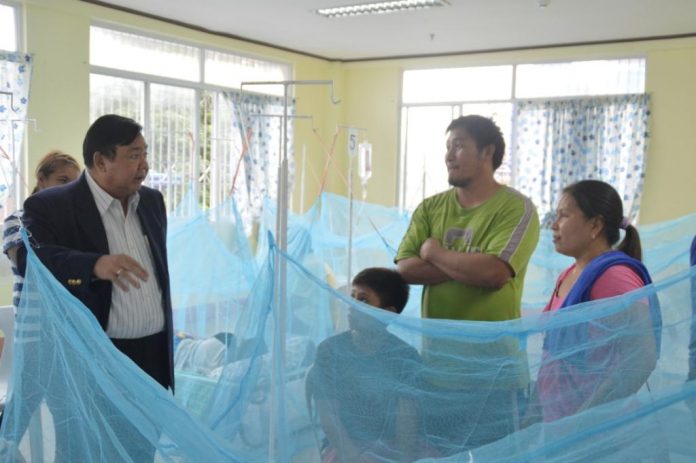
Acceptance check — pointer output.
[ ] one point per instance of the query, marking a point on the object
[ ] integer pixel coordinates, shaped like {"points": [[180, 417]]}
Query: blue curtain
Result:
{"points": [[558, 142], [15, 76]]}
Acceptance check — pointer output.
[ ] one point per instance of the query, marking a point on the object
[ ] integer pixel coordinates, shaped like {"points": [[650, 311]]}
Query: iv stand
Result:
{"points": [[349, 265], [281, 242]]}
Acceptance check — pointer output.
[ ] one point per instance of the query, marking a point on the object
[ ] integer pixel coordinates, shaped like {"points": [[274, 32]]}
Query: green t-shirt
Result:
{"points": [[506, 226]]}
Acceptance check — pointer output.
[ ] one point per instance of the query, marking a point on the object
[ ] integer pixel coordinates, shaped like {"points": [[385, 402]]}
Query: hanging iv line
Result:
{"points": [[364, 165]]}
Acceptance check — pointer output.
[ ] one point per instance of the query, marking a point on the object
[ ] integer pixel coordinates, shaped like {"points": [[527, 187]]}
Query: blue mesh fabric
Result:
{"points": [[75, 397], [276, 364]]}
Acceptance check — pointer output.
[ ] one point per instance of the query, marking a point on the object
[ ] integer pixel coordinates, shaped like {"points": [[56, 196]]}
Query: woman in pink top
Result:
{"points": [[602, 359]]}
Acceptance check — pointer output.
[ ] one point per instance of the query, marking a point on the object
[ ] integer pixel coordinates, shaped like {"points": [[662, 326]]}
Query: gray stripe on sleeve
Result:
{"points": [[520, 229]]}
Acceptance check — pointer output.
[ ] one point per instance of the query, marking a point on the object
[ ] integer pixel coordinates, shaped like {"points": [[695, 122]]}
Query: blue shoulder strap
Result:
{"points": [[564, 339], [583, 286]]}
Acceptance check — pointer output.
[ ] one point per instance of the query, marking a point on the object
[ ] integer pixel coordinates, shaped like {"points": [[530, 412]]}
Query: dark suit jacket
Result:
{"points": [[68, 235]]}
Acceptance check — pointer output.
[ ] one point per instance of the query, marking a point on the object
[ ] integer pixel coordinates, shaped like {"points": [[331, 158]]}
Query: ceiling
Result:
{"points": [[464, 26]]}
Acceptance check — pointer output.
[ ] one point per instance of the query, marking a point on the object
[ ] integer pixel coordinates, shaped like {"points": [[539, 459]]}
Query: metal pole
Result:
{"points": [[280, 289], [350, 220], [302, 177], [280, 312], [349, 265]]}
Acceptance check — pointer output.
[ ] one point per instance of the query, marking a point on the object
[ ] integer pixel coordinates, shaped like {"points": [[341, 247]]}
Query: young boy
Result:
{"points": [[364, 380]]}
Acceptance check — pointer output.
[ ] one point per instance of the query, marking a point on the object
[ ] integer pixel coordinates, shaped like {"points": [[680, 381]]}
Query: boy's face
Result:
{"points": [[360, 321], [366, 295]]}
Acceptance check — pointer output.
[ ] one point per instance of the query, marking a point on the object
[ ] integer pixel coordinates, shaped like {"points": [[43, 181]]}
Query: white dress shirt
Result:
{"points": [[138, 312]]}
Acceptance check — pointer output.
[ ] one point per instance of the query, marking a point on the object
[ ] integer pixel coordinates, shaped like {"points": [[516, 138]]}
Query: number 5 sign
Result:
{"points": [[352, 142]]}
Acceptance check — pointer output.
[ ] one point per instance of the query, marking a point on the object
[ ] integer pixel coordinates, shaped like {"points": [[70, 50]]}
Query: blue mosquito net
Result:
{"points": [[275, 362]]}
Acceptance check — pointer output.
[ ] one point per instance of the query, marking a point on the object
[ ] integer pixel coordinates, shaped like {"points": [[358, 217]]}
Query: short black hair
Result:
{"points": [[485, 132], [107, 133], [388, 284]]}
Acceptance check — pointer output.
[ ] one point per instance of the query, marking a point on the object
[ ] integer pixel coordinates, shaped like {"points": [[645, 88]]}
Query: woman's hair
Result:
{"points": [[50, 163], [599, 199]]}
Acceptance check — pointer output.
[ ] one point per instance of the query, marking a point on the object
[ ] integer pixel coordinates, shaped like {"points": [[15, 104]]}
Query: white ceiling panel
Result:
{"points": [[463, 26]]}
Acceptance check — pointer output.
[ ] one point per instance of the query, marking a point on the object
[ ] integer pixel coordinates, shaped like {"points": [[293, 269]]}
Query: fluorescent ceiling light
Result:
{"points": [[379, 7]]}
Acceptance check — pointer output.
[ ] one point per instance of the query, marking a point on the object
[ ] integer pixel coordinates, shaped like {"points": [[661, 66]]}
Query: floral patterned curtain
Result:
{"points": [[15, 76], [558, 142], [257, 123]]}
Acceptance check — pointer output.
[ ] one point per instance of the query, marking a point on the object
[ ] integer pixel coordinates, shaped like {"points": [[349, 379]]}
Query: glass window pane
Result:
{"points": [[605, 77], [458, 84], [423, 152], [219, 151], [8, 29], [114, 95], [226, 146], [147, 55], [171, 153], [228, 70]]}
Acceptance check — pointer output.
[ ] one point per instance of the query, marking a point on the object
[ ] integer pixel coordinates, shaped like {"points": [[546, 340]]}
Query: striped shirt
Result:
{"points": [[27, 328], [135, 313], [11, 238]]}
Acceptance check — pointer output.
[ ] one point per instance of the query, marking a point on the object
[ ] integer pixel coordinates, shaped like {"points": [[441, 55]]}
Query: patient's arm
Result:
{"points": [[12, 254]]}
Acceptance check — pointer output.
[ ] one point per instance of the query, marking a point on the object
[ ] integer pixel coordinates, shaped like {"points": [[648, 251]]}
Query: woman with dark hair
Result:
{"points": [[55, 168], [595, 362]]}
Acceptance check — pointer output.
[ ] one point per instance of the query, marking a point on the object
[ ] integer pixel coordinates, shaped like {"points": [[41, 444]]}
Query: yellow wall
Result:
{"points": [[59, 99], [670, 190]]}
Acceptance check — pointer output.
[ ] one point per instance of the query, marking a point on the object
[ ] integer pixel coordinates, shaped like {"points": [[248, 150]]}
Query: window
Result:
{"points": [[580, 78], [15, 77], [8, 27], [432, 98], [115, 95], [182, 95], [130, 52], [458, 84], [228, 70]]}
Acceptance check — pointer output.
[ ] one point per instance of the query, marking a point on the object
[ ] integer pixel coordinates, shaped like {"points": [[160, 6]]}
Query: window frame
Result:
{"points": [[201, 83], [456, 106], [21, 167], [199, 87], [19, 32]]}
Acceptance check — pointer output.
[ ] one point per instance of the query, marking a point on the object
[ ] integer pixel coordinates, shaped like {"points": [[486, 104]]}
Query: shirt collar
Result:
{"points": [[104, 200]]}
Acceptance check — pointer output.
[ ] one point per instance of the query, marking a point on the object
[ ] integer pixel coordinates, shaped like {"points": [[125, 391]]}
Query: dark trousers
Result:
{"points": [[150, 354]]}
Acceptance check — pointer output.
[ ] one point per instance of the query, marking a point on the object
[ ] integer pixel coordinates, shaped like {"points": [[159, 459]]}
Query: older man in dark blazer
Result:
{"points": [[104, 238]]}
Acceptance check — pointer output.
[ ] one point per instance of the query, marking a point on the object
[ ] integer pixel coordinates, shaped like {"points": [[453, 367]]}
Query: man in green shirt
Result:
{"points": [[469, 247]]}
